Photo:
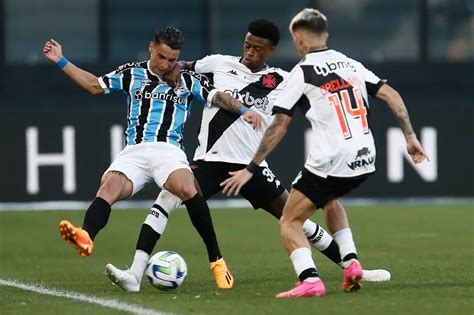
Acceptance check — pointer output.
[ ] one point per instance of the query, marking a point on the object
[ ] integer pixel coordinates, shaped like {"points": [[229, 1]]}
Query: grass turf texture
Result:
{"points": [[428, 249]]}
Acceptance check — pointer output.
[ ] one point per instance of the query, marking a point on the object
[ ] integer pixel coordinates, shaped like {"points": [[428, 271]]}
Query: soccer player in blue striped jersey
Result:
{"points": [[156, 116], [227, 144]]}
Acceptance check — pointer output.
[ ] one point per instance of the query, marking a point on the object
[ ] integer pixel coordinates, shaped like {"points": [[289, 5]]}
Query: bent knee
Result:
{"points": [[115, 186], [187, 192]]}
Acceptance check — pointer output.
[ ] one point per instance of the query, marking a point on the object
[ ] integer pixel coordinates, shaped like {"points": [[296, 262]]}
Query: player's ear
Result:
{"points": [[151, 46], [272, 50]]}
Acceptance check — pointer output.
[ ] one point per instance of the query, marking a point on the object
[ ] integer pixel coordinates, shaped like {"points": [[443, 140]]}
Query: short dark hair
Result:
{"points": [[265, 29], [311, 20], [171, 36]]}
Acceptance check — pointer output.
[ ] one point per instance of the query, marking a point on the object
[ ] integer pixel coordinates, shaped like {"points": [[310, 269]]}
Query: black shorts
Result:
{"points": [[260, 191], [320, 190]]}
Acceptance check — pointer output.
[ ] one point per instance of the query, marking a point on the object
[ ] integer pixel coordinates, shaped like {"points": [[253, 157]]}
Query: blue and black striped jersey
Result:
{"points": [[156, 111]]}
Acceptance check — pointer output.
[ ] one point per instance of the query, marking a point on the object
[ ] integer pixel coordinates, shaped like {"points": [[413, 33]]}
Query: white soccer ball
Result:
{"points": [[166, 270]]}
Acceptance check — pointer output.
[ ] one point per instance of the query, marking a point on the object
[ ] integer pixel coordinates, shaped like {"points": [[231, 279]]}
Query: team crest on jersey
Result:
{"points": [[269, 81]]}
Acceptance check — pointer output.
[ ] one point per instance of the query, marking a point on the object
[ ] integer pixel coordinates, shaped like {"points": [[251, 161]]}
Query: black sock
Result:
{"points": [[96, 217], [147, 239], [200, 216], [349, 257], [308, 273], [332, 252]]}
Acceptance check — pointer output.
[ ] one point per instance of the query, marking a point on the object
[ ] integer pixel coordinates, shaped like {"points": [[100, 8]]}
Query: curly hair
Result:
{"points": [[171, 36], [265, 29]]}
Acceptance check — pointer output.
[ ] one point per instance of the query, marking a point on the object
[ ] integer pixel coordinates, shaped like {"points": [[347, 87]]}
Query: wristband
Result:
{"points": [[62, 62], [253, 167], [242, 110]]}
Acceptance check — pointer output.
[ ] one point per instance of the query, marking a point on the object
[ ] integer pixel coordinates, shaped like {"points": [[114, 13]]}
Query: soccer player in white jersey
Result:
{"points": [[226, 144], [156, 116], [332, 91]]}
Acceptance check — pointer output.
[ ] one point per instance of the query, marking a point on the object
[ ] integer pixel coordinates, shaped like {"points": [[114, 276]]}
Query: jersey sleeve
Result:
{"points": [[208, 64], [372, 81], [114, 81], [291, 93], [200, 87]]}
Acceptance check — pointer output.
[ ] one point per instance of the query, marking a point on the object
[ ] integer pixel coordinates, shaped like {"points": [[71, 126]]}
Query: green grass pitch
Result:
{"points": [[428, 249]]}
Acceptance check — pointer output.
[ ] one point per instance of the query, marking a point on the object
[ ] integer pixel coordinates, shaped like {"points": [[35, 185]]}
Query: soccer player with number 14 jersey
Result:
{"points": [[226, 144], [332, 90]]}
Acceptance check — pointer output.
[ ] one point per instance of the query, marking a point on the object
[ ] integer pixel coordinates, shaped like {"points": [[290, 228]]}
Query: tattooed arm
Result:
{"points": [[272, 137], [398, 108], [227, 102]]}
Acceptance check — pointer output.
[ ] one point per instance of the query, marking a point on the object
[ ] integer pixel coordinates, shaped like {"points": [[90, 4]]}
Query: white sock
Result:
{"points": [[156, 219], [346, 244], [302, 260], [318, 237], [139, 264]]}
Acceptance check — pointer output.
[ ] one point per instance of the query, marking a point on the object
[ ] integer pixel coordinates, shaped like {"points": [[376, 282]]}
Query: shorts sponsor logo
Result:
{"points": [[330, 67]]}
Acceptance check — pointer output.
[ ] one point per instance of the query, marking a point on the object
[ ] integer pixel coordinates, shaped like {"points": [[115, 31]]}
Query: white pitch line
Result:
{"points": [[110, 303]]}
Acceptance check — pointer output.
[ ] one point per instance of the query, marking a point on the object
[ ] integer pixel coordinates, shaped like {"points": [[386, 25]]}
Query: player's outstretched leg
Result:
{"points": [[320, 239], [77, 237], [304, 289], [125, 279], [352, 276], [375, 275], [201, 219], [224, 278], [151, 231]]}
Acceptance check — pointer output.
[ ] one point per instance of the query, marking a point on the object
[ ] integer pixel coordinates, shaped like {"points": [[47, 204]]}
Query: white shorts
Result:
{"points": [[148, 161]]}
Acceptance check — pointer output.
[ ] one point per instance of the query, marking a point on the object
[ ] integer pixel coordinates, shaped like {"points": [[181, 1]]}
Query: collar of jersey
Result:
{"points": [[318, 50], [263, 69], [151, 71]]}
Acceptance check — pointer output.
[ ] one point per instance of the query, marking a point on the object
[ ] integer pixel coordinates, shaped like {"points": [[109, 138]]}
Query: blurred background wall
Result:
{"points": [[59, 139]]}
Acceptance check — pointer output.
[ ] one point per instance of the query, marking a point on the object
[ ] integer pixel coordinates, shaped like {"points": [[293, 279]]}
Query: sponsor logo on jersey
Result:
{"points": [[248, 100], [362, 159], [139, 95], [330, 67], [233, 72], [126, 66], [269, 81]]}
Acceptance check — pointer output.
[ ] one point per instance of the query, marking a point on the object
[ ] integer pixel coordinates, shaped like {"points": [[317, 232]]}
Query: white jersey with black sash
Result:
{"points": [[225, 136], [333, 91]]}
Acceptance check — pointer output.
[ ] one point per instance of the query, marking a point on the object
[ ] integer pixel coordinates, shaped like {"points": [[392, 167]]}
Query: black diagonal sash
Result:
{"points": [[223, 119]]}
